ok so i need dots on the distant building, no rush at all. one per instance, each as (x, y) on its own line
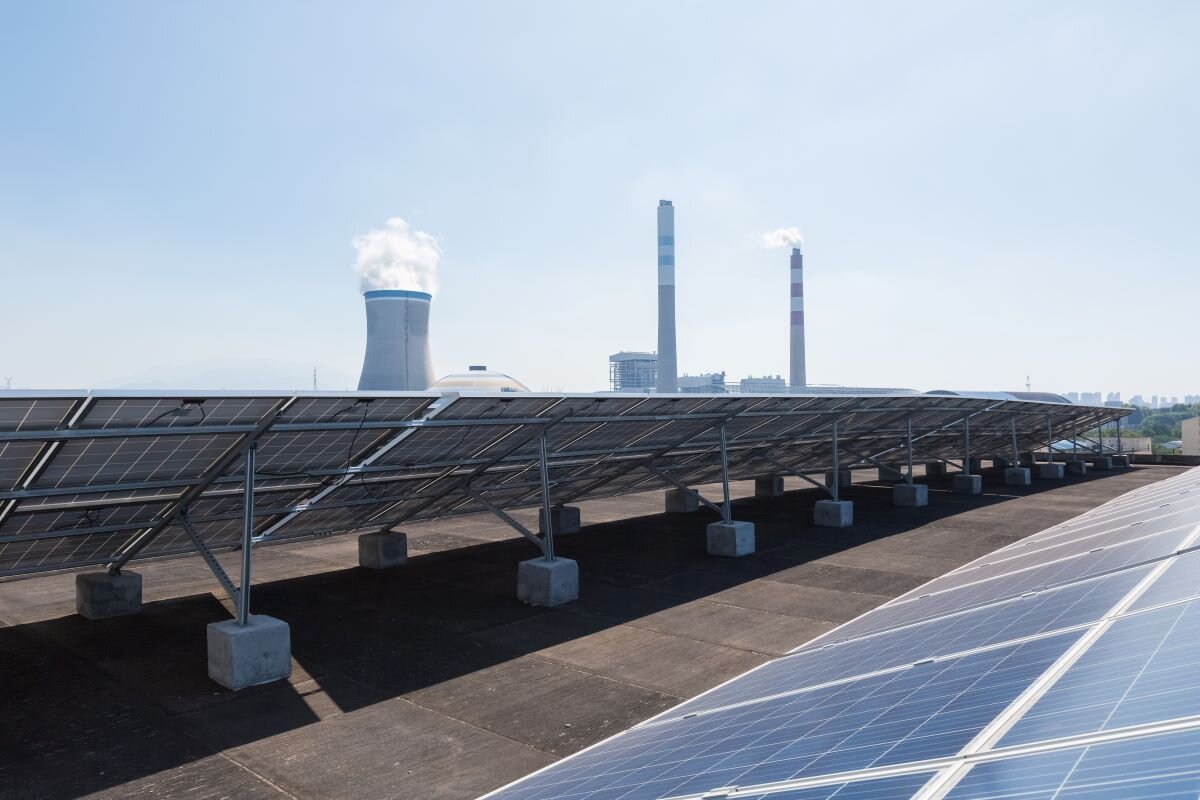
(632, 372)
(709, 383)
(767, 384)
(1191, 436)
(1072, 396)
(1113, 399)
(1192, 399)
(1090, 398)
(1137, 400)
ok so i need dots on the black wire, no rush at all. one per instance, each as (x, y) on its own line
(180, 411)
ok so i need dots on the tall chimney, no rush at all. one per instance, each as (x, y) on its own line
(797, 379)
(397, 357)
(668, 366)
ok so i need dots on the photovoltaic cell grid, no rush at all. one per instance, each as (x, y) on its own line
(1086, 689)
(88, 477)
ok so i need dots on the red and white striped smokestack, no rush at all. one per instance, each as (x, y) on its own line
(797, 379)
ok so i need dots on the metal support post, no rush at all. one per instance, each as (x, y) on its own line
(908, 438)
(836, 466)
(247, 538)
(1050, 441)
(967, 446)
(1016, 459)
(726, 514)
(1118, 435)
(546, 511)
(1074, 439)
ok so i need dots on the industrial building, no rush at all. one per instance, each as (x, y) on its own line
(633, 372)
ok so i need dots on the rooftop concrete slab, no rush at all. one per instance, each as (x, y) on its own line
(431, 680)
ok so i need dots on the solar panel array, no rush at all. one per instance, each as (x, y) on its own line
(90, 478)
(1062, 666)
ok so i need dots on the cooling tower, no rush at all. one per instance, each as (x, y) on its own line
(797, 378)
(397, 357)
(668, 366)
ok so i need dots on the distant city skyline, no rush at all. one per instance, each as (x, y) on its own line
(185, 188)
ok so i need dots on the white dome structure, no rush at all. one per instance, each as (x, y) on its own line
(478, 379)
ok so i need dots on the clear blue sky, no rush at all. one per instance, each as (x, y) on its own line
(986, 190)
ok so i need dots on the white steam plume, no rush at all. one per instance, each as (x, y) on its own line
(397, 257)
(781, 237)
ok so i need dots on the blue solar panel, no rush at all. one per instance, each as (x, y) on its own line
(930, 710)
(1067, 570)
(877, 789)
(1142, 669)
(1017, 618)
(1180, 581)
(1162, 767)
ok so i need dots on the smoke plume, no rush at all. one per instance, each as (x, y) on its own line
(781, 237)
(397, 257)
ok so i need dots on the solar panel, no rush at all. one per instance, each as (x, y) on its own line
(995, 688)
(106, 473)
(1155, 767)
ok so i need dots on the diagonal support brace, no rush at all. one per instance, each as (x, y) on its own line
(209, 558)
(504, 517)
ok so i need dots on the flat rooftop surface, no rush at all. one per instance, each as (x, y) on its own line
(432, 680)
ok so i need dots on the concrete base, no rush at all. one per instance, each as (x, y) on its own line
(967, 484)
(1103, 463)
(99, 595)
(889, 474)
(1053, 472)
(239, 657)
(547, 583)
(833, 513)
(1077, 467)
(845, 478)
(1120, 461)
(565, 519)
(682, 502)
(910, 495)
(1017, 476)
(935, 469)
(768, 486)
(382, 550)
(730, 539)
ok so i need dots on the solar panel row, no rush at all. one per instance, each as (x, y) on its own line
(91, 478)
(1084, 689)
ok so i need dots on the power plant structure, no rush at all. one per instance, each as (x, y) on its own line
(397, 358)
(668, 361)
(797, 378)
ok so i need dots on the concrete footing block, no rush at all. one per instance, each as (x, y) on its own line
(967, 484)
(768, 486)
(1120, 461)
(1077, 467)
(260, 652)
(1053, 471)
(889, 474)
(680, 501)
(565, 519)
(1102, 463)
(541, 582)
(730, 539)
(382, 550)
(845, 478)
(1017, 476)
(910, 495)
(99, 595)
(833, 513)
(935, 469)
